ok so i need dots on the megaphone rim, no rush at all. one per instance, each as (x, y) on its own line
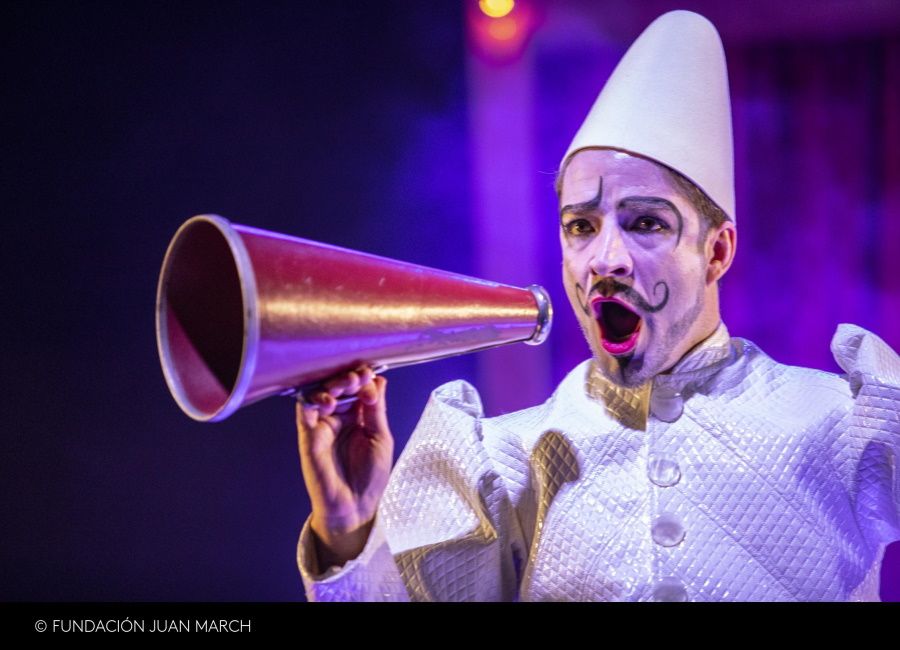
(251, 327)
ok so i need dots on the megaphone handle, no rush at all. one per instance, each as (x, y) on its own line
(341, 402)
(299, 395)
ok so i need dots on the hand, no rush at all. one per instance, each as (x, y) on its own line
(346, 455)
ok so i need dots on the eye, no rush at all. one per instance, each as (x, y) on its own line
(578, 227)
(649, 223)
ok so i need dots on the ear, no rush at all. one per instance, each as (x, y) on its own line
(721, 246)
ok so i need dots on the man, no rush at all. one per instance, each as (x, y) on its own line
(676, 464)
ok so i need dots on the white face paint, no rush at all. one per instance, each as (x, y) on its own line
(628, 236)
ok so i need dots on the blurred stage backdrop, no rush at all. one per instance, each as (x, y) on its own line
(427, 132)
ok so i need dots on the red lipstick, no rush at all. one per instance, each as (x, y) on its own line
(619, 325)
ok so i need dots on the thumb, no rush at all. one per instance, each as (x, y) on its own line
(315, 433)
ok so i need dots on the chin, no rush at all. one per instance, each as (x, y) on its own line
(627, 371)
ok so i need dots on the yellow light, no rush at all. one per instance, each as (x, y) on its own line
(496, 8)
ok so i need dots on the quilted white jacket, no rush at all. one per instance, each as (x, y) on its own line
(731, 478)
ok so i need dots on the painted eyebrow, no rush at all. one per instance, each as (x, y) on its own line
(580, 208)
(647, 202)
(586, 206)
(627, 202)
(643, 202)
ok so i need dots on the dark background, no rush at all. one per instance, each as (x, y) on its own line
(120, 121)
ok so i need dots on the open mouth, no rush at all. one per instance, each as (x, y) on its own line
(619, 325)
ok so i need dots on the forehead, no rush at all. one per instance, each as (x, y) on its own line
(622, 174)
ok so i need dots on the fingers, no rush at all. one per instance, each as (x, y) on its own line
(314, 438)
(346, 385)
(375, 406)
(332, 400)
(313, 410)
(350, 383)
(324, 403)
(307, 414)
(369, 393)
(307, 417)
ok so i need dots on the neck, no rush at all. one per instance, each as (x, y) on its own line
(706, 331)
(703, 327)
(630, 405)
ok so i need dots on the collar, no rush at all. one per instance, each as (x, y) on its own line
(667, 391)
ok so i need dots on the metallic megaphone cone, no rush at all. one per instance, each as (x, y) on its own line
(243, 314)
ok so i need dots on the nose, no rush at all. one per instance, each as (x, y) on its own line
(610, 256)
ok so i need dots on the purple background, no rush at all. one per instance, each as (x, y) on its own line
(359, 124)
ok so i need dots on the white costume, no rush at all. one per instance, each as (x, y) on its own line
(731, 478)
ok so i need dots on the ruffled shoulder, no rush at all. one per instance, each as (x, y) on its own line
(870, 445)
(866, 358)
(446, 511)
(459, 395)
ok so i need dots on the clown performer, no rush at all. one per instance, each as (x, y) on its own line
(678, 463)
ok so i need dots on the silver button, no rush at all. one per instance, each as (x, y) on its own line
(670, 590)
(662, 470)
(666, 403)
(667, 530)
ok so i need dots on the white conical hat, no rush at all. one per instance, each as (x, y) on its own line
(668, 100)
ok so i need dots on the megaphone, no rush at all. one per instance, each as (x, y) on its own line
(243, 314)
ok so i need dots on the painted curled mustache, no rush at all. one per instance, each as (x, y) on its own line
(609, 287)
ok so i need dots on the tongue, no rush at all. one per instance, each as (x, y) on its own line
(618, 322)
